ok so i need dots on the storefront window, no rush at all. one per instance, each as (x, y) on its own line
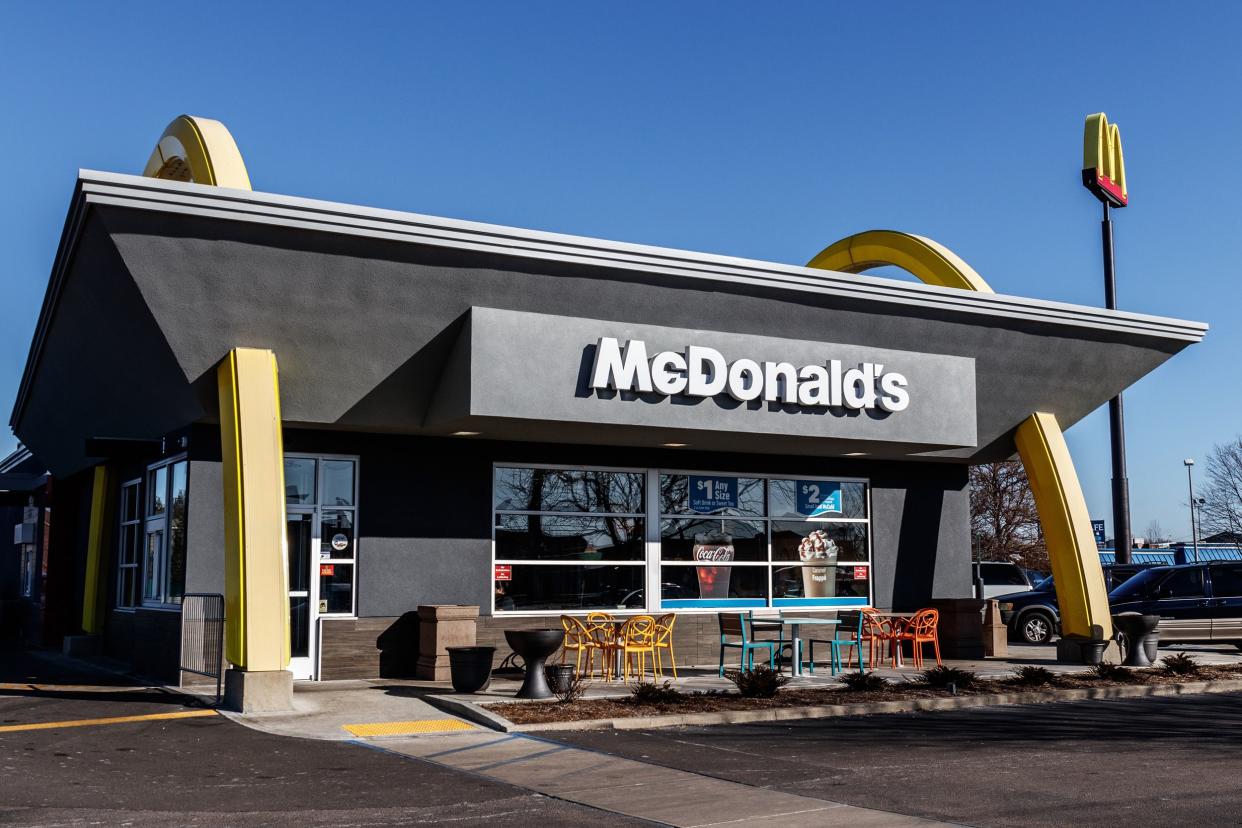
(569, 539)
(816, 554)
(164, 541)
(129, 547)
(718, 541)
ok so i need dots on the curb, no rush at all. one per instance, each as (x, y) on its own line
(480, 715)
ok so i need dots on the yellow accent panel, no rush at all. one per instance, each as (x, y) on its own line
(1067, 528)
(256, 589)
(1054, 483)
(149, 717)
(927, 260)
(199, 150)
(1101, 150)
(405, 728)
(92, 595)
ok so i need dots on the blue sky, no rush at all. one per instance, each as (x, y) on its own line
(754, 130)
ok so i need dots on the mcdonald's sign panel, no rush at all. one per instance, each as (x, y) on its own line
(1103, 165)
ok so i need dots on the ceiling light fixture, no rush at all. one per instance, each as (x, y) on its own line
(466, 433)
(674, 445)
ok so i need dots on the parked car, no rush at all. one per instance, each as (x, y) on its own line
(999, 578)
(1197, 603)
(1032, 616)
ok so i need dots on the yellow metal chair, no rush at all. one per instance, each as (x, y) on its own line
(664, 641)
(637, 638)
(603, 628)
(580, 642)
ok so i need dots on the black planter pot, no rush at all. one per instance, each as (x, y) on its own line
(560, 677)
(534, 646)
(1093, 652)
(470, 668)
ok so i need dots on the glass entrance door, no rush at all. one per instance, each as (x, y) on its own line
(300, 528)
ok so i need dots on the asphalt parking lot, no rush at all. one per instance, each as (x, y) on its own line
(1146, 762)
(208, 770)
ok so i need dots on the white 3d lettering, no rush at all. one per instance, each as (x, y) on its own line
(703, 372)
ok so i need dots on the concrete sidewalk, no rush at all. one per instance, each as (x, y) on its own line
(633, 788)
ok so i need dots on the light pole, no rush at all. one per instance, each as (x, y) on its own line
(1190, 484)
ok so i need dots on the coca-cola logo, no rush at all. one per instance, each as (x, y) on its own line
(713, 554)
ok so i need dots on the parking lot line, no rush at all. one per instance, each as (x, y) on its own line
(110, 720)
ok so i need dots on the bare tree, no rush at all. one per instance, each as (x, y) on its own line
(1222, 507)
(1004, 522)
(1155, 533)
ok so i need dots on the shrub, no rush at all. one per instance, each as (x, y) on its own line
(572, 690)
(1112, 672)
(1180, 665)
(941, 677)
(864, 682)
(760, 683)
(648, 692)
(1031, 676)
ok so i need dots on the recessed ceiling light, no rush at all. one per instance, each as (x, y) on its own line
(466, 433)
(856, 454)
(674, 445)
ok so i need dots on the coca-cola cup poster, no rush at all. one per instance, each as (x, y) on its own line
(715, 548)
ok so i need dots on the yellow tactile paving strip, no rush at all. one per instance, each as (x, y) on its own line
(407, 728)
(110, 720)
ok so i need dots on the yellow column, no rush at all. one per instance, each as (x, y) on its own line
(1081, 594)
(256, 592)
(93, 591)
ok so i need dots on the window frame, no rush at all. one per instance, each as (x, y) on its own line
(138, 525)
(316, 509)
(653, 516)
(153, 522)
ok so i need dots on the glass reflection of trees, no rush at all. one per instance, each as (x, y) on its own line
(568, 490)
(573, 516)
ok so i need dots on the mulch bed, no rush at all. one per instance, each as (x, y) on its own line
(713, 701)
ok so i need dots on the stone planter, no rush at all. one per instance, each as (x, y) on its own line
(441, 626)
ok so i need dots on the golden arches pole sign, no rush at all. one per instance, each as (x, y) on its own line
(1081, 594)
(1103, 165)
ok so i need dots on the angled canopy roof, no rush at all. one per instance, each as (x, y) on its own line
(155, 281)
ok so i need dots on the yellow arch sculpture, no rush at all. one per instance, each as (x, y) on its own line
(256, 589)
(1081, 594)
(199, 150)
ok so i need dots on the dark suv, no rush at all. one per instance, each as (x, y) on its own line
(1197, 603)
(1032, 617)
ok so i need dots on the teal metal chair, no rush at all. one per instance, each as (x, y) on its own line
(739, 625)
(851, 622)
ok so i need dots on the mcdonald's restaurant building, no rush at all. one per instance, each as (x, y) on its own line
(333, 414)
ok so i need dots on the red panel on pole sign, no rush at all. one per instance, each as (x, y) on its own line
(504, 572)
(860, 573)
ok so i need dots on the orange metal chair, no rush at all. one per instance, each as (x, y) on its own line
(921, 631)
(664, 641)
(880, 633)
(580, 642)
(637, 639)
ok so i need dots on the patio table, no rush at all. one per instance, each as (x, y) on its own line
(899, 620)
(795, 625)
